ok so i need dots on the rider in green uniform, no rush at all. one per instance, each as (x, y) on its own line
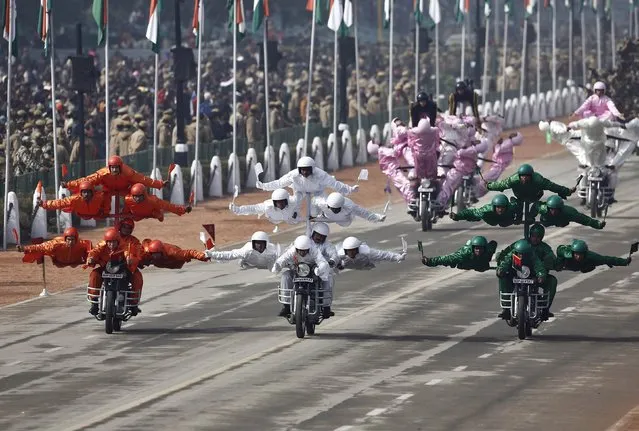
(529, 258)
(577, 257)
(528, 186)
(542, 249)
(499, 212)
(474, 256)
(554, 212)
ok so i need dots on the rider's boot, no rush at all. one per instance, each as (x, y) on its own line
(93, 310)
(285, 311)
(326, 312)
(505, 314)
(134, 309)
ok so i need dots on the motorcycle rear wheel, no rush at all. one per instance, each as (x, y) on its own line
(117, 324)
(522, 317)
(300, 315)
(109, 312)
(310, 328)
(425, 216)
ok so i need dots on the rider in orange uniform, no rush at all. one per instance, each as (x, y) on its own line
(125, 229)
(117, 177)
(165, 255)
(88, 204)
(65, 250)
(140, 205)
(100, 255)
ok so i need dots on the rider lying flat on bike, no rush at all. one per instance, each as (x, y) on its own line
(500, 212)
(474, 256)
(577, 257)
(554, 212)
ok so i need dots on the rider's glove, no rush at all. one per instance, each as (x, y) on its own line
(259, 184)
(492, 243)
(276, 268)
(601, 225)
(425, 260)
(381, 217)
(233, 208)
(401, 257)
(628, 260)
(501, 273)
(453, 215)
(331, 263)
(354, 188)
(541, 280)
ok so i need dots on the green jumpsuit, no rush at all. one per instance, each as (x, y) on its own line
(565, 262)
(505, 283)
(487, 214)
(465, 258)
(566, 215)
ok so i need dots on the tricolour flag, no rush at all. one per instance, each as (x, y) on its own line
(348, 13)
(594, 4)
(434, 12)
(608, 8)
(236, 17)
(387, 13)
(549, 3)
(418, 8)
(508, 7)
(197, 18)
(530, 6)
(487, 9)
(100, 9)
(153, 28)
(9, 29)
(335, 15)
(462, 7)
(260, 10)
(316, 5)
(43, 24)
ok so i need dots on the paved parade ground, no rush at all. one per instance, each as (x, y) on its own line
(410, 347)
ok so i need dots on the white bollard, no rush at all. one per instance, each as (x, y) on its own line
(550, 105)
(534, 109)
(347, 148)
(376, 134)
(200, 182)
(524, 107)
(285, 159)
(91, 223)
(509, 114)
(270, 168)
(487, 108)
(177, 186)
(157, 175)
(215, 177)
(497, 109)
(543, 108)
(566, 102)
(64, 217)
(251, 161)
(233, 175)
(13, 221)
(559, 105)
(317, 152)
(39, 215)
(332, 161)
(362, 155)
(299, 149)
(386, 133)
(517, 108)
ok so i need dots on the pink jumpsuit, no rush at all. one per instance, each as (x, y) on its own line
(423, 141)
(465, 164)
(502, 158)
(601, 107)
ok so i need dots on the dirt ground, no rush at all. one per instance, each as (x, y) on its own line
(229, 229)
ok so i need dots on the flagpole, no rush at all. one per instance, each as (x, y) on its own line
(538, 53)
(155, 114)
(310, 81)
(554, 47)
(636, 22)
(503, 63)
(463, 50)
(484, 89)
(583, 46)
(198, 90)
(570, 48)
(612, 38)
(598, 36)
(630, 19)
(523, 59)
(7, 158)
(51, 53)
(107, 104)
(416, 59)
(359, 96)
(266, 95)
(335, 85)
(437, 61)
(390, 65)
(235, 158)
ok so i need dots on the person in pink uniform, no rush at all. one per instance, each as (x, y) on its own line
(502, 158)
(598, 105)
(465, 161)
(423, 141)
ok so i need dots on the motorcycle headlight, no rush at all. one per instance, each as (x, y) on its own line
(113, 269)
(425, 182)
(303, 270)
(596, 172)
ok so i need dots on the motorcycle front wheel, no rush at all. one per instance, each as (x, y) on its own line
(594, 204)
(109, 312)
(522, 317)
(300, 315)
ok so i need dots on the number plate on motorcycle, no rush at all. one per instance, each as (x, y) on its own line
(302, 280)
(425, 190)
(595, 179)
(109, 275)
(523, 280)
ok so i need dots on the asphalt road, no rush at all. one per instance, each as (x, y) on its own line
(410, 347)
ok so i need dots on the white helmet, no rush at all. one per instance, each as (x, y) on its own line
(599, 86)
(306, 162)
(302, 242)
(280, 195)
(335, 200)
(259, 236)
(321, 228)
(351, 243)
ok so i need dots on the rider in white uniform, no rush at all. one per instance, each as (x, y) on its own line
(280, 208)
(338, 209)
(258, 253)
(354, 254)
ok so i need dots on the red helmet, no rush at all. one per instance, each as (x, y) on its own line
(115, 161)
(128, 221)
(71, 231)
(138, 189)
(156, 246)
(111, 234)
(85, 185)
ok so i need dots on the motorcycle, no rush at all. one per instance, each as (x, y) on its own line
(306, 299)
(596, 195)
(525, 302)
(115, 297)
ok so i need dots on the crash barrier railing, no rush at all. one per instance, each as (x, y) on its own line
(329, 154)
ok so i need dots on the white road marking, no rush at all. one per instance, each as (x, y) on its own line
(404, 397)
(247, 284)
(433, 382)
(53, 349)
(344, 428)
(384, 241)
(191, 303)
(460, 368)
(485, 355)
(588, 299)
(11, 364)
(88, 337)
(606, 290)
(568, 309)
(375, 412)
(157, 315)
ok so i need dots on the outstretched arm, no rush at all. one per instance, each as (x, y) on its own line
(377, 255)
(283, 182)
(247, 209)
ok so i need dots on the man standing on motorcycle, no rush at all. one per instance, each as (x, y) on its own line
(542, 249)
(474, 256)
(302, 251)
(280, 208)
(598, 105)
(355, 254)
(554, 212)
(500, 212)
(338, 209)
(65, 250)
(88, 204)
(577, 257)
(258, 253)
(165, 255)
(101, 255)
(528, 186)
(140, 205)
(424, 107)
(464, 95)
(527, 258)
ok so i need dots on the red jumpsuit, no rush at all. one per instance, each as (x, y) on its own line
(61, 254)
(116, 183)
(101, 256)
(150, 207)
(173, 257)
(98, 207)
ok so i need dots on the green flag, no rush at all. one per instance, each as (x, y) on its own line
(100, 16)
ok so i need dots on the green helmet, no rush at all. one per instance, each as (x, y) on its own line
(537, 229)
(478, 241)
(579, 246)
(523, 247)
(525, 169)
(500, 201)
(555, 202)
